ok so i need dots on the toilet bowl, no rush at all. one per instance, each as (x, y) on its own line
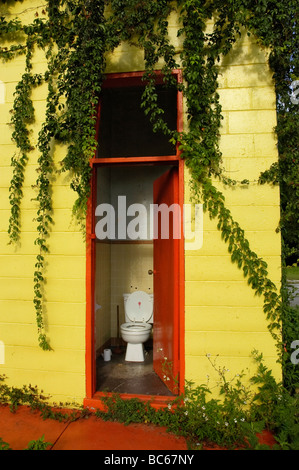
(138, 324)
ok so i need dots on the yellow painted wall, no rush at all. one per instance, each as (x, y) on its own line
(60, 373)
(222, 315)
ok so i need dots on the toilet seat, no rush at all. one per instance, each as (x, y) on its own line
(136, 326)
(139, 307)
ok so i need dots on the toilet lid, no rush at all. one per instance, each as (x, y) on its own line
(139, 307)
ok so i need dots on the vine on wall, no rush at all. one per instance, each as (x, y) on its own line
(76, 36)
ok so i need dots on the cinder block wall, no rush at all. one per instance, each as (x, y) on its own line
(61, 372)
(223, 316)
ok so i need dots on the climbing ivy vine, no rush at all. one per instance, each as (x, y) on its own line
(76, 37)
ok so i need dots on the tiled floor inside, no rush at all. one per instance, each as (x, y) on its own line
(120, 376)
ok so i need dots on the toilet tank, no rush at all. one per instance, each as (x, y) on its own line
(131, 314)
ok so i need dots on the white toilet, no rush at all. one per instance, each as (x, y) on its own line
(138, 326)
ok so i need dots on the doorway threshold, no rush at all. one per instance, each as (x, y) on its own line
(97, 402)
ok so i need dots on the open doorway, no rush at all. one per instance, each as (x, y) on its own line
(135, 169)
(125, 264)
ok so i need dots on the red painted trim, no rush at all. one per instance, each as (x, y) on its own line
(96, 402)
(119, 80)
(109, 161)
(181, 254)
(90, 299)
(93, 398)
(181, 300)
(97, 123)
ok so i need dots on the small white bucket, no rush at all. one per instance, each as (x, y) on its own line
(107, 354)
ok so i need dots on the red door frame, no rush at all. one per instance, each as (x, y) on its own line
(93, 398)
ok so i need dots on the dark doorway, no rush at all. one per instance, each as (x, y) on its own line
(125, 130)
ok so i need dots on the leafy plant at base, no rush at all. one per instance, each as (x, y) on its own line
(231, 420)
(275, 406)
(38, 444)
(33, 398)
(4, 445)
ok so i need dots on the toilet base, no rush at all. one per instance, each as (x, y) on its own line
(135, 352)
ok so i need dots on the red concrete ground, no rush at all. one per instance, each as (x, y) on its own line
(91, 433)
